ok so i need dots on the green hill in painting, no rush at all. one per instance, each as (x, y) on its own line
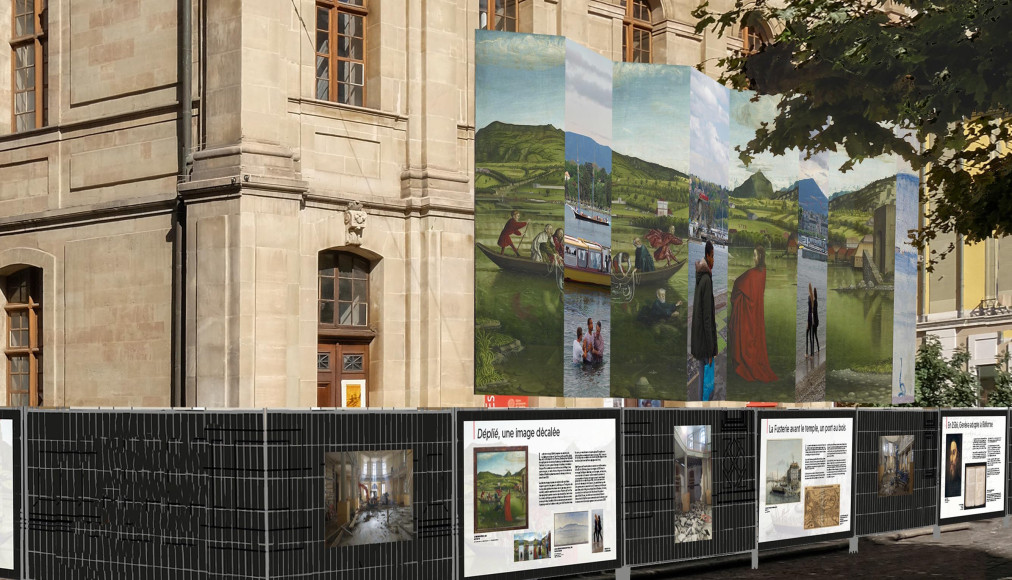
(635, 168)
(533, 144)
(866, 199)
(756, 186)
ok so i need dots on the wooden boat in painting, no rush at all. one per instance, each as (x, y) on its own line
(515, 264)
(529, 266)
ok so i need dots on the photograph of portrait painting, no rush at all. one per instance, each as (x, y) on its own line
(500, 489)
(650, 223)
(861, 271)
(783, 471)
(519, 156)
(812, 251)
(895, 465)
(7, 513)
(762, 262)
(367, 496)
(953, 451)
(587, 252)
(693, 483)
(708, 222)
(905, 286)
(572, 528)
(529, 546)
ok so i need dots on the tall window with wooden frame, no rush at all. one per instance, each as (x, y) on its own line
(498, 15)
(28, 64)
(637, 29)
(342, 357)
(340, 51)
(23, 348)
(754, 34)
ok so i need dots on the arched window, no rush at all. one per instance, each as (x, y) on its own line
(498, 15)
(637, 27)
(754, 33)
(23, 347)
(342, 358)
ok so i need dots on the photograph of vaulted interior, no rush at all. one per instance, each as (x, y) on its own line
(693, 483)
(368, 495)
(895, 465)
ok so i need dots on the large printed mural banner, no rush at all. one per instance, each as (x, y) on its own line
(762, 262)
(624, 249)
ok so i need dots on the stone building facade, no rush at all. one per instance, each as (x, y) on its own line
(253, 204)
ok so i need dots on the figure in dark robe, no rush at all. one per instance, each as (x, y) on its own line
(663, 242)
(747, 323)
(512, 228)
(643, 261)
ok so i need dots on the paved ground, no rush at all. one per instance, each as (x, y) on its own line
(979, 550)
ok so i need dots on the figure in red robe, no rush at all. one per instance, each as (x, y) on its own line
(663, 242)
(512, 228)
(509, 516)
(747, 324)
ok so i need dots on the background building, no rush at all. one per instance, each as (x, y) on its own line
(967, 301)
(251, 204)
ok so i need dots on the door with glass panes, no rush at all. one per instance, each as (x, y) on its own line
(341, 375)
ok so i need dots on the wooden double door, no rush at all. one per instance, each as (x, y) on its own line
(342, 372)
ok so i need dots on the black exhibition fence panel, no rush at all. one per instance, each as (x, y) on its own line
(896, 469)
(690, 485)
(324, 524)
(539, 492)
(145, 494)
(973, 449)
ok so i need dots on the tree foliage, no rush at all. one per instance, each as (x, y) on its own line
(1001, 396)
(941, 383)
(856, 78)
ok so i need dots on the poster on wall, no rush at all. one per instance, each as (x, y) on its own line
(538, 494)
(806, 465)
(762, 261)
(587, 252)
(973, 466)
(650, 223)
(708, 232)
(519, 158)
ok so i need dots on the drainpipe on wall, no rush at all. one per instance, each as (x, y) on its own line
(184, 132)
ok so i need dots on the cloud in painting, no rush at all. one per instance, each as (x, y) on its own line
(708, 129)
(588, 94)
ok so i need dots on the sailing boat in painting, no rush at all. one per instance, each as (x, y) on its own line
(578, 212)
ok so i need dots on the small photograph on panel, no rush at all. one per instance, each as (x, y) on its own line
(368, 497)
(783, 471)
(953, 465)
(976, 484)
(693, 484)
(597, 526)
(500, 489)
(529, 546)
(822, 506)
(572, 528)
(895, 465)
